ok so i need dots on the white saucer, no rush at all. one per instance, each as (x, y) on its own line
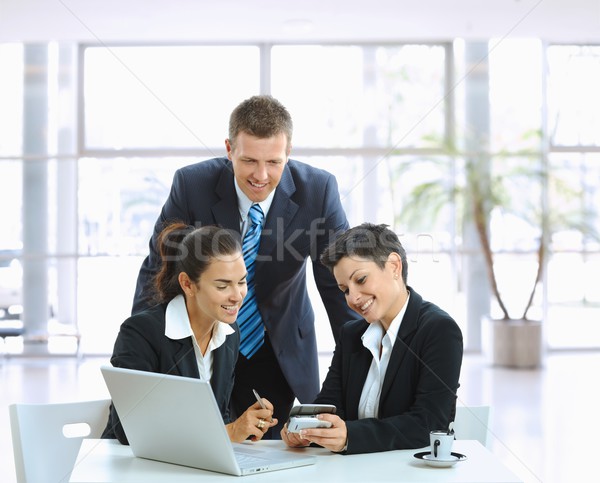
(429, 460)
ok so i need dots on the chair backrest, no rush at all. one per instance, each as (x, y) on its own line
(44, 444)
(472, 422)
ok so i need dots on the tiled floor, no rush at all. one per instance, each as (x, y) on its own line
(540, 421)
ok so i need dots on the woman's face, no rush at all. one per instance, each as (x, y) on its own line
(372, 292)
(219, 292)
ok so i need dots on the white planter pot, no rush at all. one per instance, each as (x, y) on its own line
(516, 343)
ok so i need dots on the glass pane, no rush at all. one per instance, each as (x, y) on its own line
(151, 97)
(574, 194)
(11, 99)
(133, 192)
(516, 198)
(421, 192)
(574, 301)
(11, 192)
(11, 246)
(516, 289)
(351, 96)
(99, 322)
(573, 101)
(409, 95)
(348, 173)
(322, 87)
(515, 94)
(11, 286)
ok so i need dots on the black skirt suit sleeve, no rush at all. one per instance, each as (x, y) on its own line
(142, 345)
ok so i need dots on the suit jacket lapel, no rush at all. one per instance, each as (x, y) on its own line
(280, 214)
(226, 212)
(358, 367)
(402, 345)
(185, 359)
(223, 362)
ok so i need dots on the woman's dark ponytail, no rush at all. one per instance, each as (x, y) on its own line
(166, 281)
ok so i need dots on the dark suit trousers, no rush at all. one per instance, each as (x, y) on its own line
(262, 372)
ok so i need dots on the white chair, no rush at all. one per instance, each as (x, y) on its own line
(472, 422)
(46, 437)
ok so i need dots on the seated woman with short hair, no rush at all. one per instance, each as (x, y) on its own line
(394, 372)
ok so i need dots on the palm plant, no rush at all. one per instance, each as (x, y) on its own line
(509, 184)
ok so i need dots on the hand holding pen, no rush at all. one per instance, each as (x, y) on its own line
(253, 423)
(261, 422)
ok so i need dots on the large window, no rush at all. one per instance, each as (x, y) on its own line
(176, 98)
(574, 197)
(386, 120)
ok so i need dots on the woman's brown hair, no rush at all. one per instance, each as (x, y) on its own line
(184, 248)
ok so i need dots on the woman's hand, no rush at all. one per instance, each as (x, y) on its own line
(253, 424)
(333, 438)
(293, 440)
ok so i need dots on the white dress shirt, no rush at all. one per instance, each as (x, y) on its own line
(377, 341)
(244, 204)
(177, 326)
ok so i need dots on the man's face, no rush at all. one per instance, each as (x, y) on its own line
(258, 163)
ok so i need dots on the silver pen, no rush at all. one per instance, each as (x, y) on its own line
(260, 401)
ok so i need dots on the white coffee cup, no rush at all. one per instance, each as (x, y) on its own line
(441, 444)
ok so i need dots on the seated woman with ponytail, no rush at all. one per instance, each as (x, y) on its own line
(199, 291)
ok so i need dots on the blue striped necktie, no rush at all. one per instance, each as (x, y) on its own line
(252, 333)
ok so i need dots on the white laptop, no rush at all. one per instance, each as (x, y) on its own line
(176, 419)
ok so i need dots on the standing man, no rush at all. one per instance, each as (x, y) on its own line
(286, 212)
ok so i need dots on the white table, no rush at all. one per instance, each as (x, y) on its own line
(108, 461)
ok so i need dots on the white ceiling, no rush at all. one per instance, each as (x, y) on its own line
(296, 20)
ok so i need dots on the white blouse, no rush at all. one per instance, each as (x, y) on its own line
(177, 326)
(376, 340)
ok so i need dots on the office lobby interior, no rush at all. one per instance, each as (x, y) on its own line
(419, 109)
